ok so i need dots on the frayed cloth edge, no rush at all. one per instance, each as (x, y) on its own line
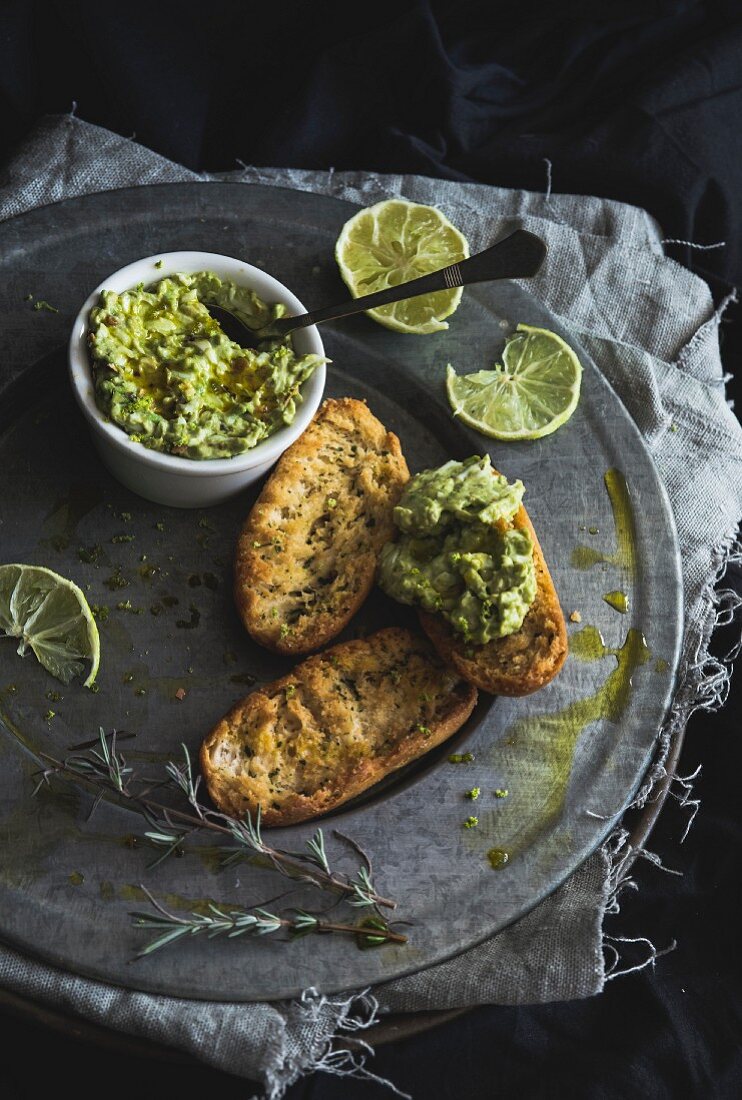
(703, 684)
(338, 1049)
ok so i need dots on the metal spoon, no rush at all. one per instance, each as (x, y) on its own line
(517, 256)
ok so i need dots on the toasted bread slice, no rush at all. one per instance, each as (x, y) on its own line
(307, 555)
(518, 663)
(342, 720)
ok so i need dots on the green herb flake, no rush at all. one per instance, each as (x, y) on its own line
(471, 822)
(332, 502)
(41, 304)
(116, 580)
(461, 758)
(126, 605)
(158, 264)
(474, 793)
(49, 715)
(89, 554)
(160, 526)
(424, 730)
(192, 622)
(501, 792)
(284, 631)
(290, 691)
(100, 612)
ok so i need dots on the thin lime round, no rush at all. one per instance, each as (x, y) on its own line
(530, 394)
(394, 242)
(50, 615)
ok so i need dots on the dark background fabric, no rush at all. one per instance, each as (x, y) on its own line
(640, 102)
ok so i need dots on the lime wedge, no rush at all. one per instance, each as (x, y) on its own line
(396, 241)
(530, 394)
(49, 615)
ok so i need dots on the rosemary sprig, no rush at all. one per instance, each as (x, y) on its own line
(256, 922)
(104, 769)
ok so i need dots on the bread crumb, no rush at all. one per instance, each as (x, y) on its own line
(575, 617)
(180, 693)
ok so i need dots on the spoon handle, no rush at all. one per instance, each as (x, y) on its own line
(517, 256)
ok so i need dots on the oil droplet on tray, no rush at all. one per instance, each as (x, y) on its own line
(618, 600)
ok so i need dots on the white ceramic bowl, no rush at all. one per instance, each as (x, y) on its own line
(168, 479)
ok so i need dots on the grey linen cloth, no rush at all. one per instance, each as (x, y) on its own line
(652, 326)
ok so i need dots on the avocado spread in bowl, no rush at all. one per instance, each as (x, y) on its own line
(167, 374)
(457, 553)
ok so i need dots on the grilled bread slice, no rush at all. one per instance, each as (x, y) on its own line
(518, 663)
(307, 555)
(342, 720)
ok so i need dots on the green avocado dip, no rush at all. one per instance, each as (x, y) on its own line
(166, 373)
(457, 554)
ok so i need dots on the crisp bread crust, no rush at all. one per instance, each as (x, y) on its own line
(307, 555)
(339, 723)
(519, 663)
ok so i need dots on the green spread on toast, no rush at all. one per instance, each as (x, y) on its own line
(458, 554)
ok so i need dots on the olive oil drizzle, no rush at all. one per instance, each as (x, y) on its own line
(624, 556)
(541, 748)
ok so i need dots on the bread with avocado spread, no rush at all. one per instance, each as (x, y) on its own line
(307, 555)
(467, 556)
(337, 724)
(518, 663)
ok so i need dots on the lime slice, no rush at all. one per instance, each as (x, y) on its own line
(392, 243)
(50, 615)
(532, 393)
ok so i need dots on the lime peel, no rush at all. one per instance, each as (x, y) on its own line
(392, 243)
(529, 395)
(49, 614)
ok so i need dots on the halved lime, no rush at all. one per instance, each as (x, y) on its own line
(394, 242)
(49, 614)
(530, 394)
